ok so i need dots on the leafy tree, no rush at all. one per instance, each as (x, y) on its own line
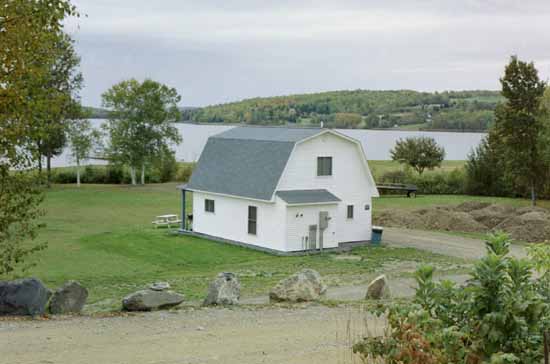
(485, 169)
(419, 153)
(82, 137)
(140, 123)
(29, 32)
(64, 80)
(519, 126)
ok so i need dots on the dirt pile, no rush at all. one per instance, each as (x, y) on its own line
(531, 224)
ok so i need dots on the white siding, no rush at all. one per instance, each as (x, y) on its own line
(230, 220)
(349, 182)
(298, 219)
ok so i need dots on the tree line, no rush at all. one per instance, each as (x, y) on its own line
(457, 110)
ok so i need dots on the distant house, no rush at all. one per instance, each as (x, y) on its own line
(282, 189)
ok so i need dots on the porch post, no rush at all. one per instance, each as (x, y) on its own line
(183, 215)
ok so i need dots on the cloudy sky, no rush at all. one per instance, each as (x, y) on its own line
(219, 51)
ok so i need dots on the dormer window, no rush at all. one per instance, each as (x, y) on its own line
(324, 166)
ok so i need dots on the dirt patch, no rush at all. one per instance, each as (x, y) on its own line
(531, 224)
(469, 206)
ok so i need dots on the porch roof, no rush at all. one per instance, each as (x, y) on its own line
(297, 197)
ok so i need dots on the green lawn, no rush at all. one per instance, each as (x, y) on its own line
(101, 235)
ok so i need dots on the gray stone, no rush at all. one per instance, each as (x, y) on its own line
(23, 297)
(224, 290)
(306, 285)
(148, 300)
(69, 298)
(160, 286)
(378, 289)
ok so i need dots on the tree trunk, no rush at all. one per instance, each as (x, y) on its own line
(133, 175)
(533, 195)
(49, 169)
(143, 174)
(78, 172)
(40, 165)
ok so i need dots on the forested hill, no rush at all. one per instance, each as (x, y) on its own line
(455, 110)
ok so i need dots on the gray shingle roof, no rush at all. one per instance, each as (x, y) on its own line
(246, 161)
(307, 196)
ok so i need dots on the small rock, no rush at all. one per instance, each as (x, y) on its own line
(23, 297)
(224, 290)
(200, 328)
(160, 286)
(147, 300)
(378, 288)
(70, 298)
(306, 285)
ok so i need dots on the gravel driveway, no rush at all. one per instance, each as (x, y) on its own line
(441, 243)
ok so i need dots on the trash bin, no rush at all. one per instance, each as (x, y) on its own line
(377, 235)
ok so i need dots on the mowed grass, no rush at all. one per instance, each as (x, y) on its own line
(101, 235)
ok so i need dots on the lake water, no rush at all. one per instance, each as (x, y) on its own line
(377, 143)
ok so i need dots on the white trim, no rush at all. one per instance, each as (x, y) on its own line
(233, 196)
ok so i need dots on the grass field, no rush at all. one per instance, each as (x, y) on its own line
(101, 235)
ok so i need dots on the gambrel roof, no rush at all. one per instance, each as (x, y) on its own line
(248, 161)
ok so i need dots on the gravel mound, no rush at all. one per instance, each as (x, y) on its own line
(531, 224)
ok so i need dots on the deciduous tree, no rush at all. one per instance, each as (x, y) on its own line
(29, 30)
(520, 127)
(140, 123)
(419, 153)
(82, 138)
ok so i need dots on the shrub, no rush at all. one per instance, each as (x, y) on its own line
(448, 183)
(498, 317)
(164, 169)
(184, 172)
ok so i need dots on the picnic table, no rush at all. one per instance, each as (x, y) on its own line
(166, 220)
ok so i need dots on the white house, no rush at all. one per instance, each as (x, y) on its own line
(282, 189)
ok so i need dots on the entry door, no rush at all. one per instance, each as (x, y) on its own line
(312, 237)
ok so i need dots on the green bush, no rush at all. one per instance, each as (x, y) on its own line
(497, 317)
(432, 183)
(185, 171)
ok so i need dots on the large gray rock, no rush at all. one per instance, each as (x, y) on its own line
(224, 290)
(378, 289)
(149, 299)
(69, 298)
(23, 297)
(306, 285)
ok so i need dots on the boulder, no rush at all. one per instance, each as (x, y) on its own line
(70, 298)
(379, 288)
(148, 299)
(224, 290)
(306, 285)
(23, 297)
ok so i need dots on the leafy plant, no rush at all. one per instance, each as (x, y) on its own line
(497, 317)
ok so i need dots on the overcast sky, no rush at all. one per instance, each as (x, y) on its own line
(219, 51)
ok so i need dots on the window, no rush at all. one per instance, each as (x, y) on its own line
(208, 205)
(324, 166)
(350, 211)
(252, 219)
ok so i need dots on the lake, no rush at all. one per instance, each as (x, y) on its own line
(377, 143)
